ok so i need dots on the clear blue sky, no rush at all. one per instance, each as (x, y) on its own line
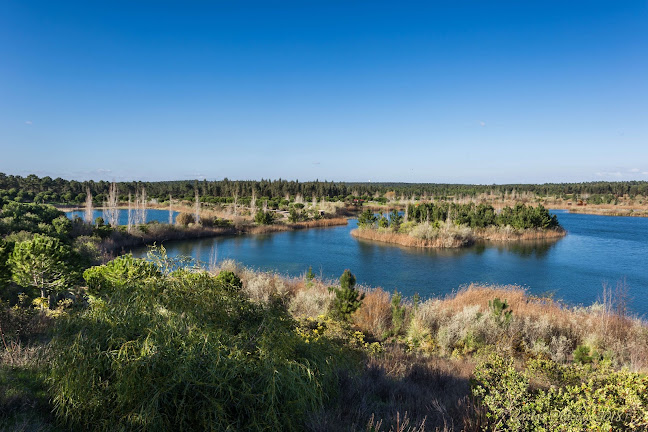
(452, 91)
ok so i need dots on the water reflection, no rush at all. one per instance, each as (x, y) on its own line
(596, 249)
(525, 248)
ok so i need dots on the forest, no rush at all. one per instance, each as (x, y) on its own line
(59, 191)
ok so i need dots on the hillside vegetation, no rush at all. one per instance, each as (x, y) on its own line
(165, 344)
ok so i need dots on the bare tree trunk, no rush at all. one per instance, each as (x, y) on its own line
(89, 210)
(253, 203)
(144, 203)
(111, 212)
(197, 208)
(130, 213)
(170, 210)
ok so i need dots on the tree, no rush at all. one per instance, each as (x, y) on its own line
(5, 270)
(367, 219)
(263, 218)
(347, 298)
(42, 262)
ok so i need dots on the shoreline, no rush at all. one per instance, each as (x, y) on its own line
(160, 233)
(455, 240)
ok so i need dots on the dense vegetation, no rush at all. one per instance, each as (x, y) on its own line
(185, 350)
(473, 215)
(162, 344)
(47, 190)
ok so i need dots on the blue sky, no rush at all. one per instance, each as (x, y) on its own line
(452, 91)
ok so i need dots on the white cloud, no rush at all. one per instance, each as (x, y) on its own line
(609, 174)
(29, 122)
(635, 170)
(482, 124)
(645, 173)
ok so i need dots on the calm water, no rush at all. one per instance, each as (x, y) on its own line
(597, 250)
(161, 216)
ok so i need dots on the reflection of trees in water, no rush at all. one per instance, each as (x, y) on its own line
(529, 248)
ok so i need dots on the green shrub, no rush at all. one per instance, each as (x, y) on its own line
(398, 313)
(118, 274)
(500, 311)
(347, 298)
(582, 354)
(263, 218)
(367, 219)
(229, 281)
(5, 269)
(577, 399)
(177, 351)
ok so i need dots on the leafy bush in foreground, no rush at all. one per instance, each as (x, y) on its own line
(579, 399)
(181, 351)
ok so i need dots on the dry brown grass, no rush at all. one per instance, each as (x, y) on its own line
(326, 222)
(510, 234)
(407, 240)
(610, 210)
(454, 239)
(603, 326)
(374, 316)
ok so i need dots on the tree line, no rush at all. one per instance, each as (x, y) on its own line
(47, 190)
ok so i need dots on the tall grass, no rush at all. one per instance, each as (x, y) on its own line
(178, 352)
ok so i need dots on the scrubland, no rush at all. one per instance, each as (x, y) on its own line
(168, 345)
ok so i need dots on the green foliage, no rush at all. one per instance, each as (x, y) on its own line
(395, 220)
(119, 273)
(383, 222)
(309, 274)
(481, 215)
(229, 281)
(578, 399)
(44, 263)
(263, 218)
(500, 311)
(35, 218)
(46, 189)
(367, 219)
(294, 215)
(5, 269)
(179, 352)
(397, 313)
(582, 354)
(347, 298)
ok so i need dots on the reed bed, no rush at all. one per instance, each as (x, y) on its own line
(427, 236)
(441, 241)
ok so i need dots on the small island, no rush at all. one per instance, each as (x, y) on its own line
(452, 225)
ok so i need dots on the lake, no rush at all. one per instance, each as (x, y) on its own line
(152, 215)
(597, 250)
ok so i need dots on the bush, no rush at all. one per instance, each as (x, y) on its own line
(263, 218)
(185, 219)
(367, 219)
(577, 400)
(347, 298)
(180, 352)
(229, 281)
